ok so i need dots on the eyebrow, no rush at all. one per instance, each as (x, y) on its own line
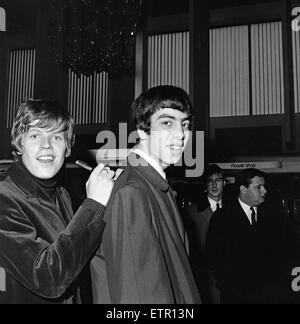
(172, 117)
(37, 129)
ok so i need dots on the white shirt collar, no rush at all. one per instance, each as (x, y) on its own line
(151, 161)
(213, 204)
(247, 210)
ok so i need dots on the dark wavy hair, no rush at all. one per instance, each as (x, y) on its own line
(154, 99)
(211, 170)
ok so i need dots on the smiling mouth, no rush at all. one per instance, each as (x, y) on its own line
(46, 159)
(176, 148)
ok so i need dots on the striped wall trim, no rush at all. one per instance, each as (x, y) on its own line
(168, 60)
(88, 98)
(21, 80)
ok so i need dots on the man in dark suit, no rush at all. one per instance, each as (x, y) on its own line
(245, 244)
(197, 217)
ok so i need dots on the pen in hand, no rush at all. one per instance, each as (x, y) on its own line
(88, 168)
(84, 165)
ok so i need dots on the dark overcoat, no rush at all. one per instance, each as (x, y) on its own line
(145, 246)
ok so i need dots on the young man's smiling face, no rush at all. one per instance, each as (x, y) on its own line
(169, 135)
(43, 152)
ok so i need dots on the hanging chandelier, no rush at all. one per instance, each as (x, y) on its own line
(95, 35)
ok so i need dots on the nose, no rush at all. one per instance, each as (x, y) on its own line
(180, 133)
(264, 190)
(46, 143)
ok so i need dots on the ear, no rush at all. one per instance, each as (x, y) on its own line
(243, 189)
(19, 146)
(68, 153)
(142, 134)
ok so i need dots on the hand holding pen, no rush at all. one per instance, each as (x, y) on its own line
(100, 183)
(85, 166)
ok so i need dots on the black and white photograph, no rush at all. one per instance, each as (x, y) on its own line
(150, 154)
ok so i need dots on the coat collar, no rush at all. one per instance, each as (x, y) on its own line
(25, 183)
(146, 170)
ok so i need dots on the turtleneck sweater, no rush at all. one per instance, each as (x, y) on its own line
(48, 185)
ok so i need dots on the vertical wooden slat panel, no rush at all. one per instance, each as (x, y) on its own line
(298, 70)
(90, 115)
(87, 99)
(17, 81)
(270, 32)
(188, 61)
(149, 60)
(233, 71)
(21, 80)
(70, 92)
(267, 69)
(274, 102)
(32, 70)
(246, 74)
(296, 61)
(229, 72)
(9, 97)
(82, 100)
(103, 89)
(156, 64)
(211, 64)
(27, 88)
(220, 102)
(254, 67)
(95, 100)
(261, 70)
(223, 84)
(159, 63)
(184, 60)
(105, 103)
(277, 71)
(168, 57)
(281, 67)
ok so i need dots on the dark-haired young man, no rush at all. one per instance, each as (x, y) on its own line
(197, 217)
(145, 247)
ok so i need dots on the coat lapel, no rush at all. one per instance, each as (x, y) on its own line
(35, 193)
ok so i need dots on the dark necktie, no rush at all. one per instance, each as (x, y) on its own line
(253, 217)
(218, 207)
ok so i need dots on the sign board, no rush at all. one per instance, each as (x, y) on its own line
(250, 165)
(2, 20)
